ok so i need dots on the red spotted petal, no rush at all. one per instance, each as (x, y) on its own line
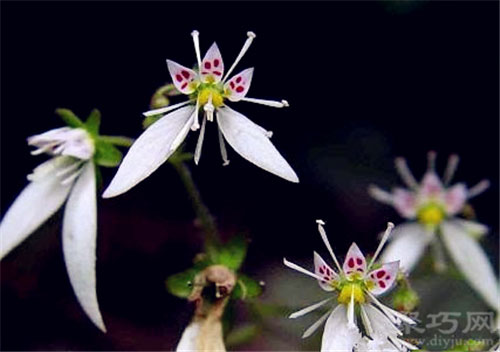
(212, 66)
(238, 86)
(354, 261)
(384, 277)
(322, 269)
(182, 77)
(431, 185)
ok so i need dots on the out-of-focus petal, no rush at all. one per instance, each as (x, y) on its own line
(455, 198)
(472, 261)
(405, 203)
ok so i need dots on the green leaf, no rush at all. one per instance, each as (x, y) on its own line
(119, 141)
(242, 334)
(233, 253)
(181, 284)
(106, 154)
(148, 121)
(246, 288)
(93, 122)
(69, 118)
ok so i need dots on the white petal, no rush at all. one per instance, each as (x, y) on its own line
(35, 204)
(188, 342)
(149, 151)
(252, 143)
(337, 335)
(472, 262)
(473, 228)
(407, 245)
(381, 324)
(79, 242)
(309, 309)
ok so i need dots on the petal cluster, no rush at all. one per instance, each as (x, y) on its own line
(355, 284)
(432, 207)
(69, 175)
(208, 89)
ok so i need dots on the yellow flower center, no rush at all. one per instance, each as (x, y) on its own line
(210, 90)
(351, 289)
(431, 214)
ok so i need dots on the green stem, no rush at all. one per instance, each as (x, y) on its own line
(206, 219)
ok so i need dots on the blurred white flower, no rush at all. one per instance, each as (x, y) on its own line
(356, 286)
(431, 208)
(208, 91)
(69, 174)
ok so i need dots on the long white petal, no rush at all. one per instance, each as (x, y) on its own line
(337, 335)
(79, 242)
(309, 309)
(252, 142)
(407, 245)
(35, 204)
(472, 262)
(149, 151)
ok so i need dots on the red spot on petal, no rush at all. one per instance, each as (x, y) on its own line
(381, 284)
(350, 263)
(380, 274)
(184, 85)
(238, 80)
(217, 73)
(205, 72)
(323, 281)
(388, 277)
(216, 62)
(208, 66)
(359, 261)
(231, 84)
(321, 270)
(178, 78)
(360, 270)
(185, 74)
(239, 89)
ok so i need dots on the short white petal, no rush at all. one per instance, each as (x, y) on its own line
(407, 245)
(79, 242)
(252, 142)
(35, 204)
(149, 151)
(337, 335)
(472, 262)
(188, 342)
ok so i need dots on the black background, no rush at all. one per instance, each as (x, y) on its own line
(366, 82)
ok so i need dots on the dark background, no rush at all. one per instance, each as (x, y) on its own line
(366, 82)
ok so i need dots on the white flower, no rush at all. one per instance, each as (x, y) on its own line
(208, 91)
(70, 174)
(356, 286)
(431, 208)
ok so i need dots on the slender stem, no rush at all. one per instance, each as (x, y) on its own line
(206, 219)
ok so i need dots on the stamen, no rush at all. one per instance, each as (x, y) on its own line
(251, 36)
(68, 169)
(327, 243)
(275, 104)
(450, 168)
(380, 195)
(196, 124)
(316, 325)
(165, 109)
(209, 109)
(196, 40)
(478, 189)
(199, 144)
(309, 309)
(223, 150)
(387, 233)
(350, 311)
(71, 177)
(366, 320)
(392, 314)
(431, 160)
(405, 173)
(301, 269)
